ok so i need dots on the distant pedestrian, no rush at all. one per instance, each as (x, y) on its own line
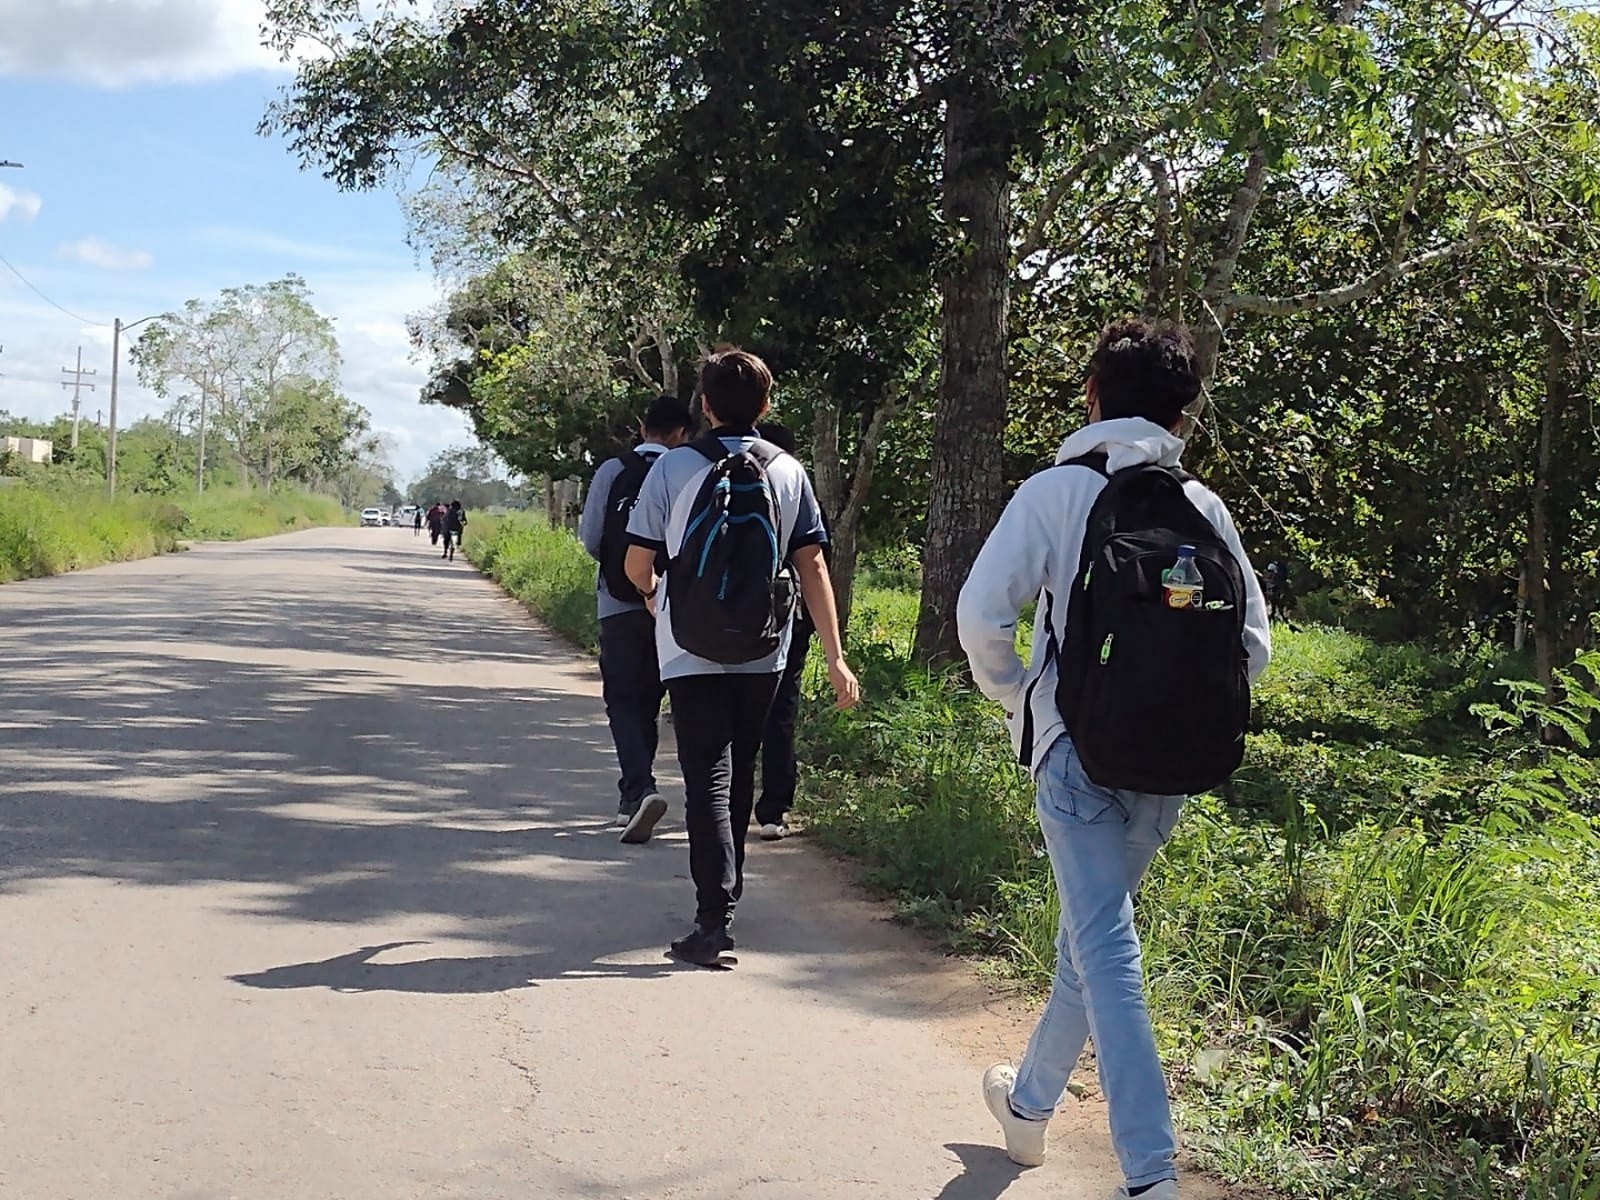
(436, 514)
(1276, 586)
(455, 525)
(737, 521)
(417, 528)
(1136, 696)
(630, 675)
(780, 768)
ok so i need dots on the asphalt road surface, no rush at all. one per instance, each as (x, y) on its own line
(308, 889)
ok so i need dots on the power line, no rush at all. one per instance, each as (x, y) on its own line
(27, 284)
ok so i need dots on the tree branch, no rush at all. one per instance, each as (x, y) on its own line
(1283, 306)
(640, 340)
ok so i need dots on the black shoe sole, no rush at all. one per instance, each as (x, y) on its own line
(638, 830)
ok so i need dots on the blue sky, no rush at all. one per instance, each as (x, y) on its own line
(145, 185)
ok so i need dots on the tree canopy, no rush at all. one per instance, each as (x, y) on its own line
(1380, 221)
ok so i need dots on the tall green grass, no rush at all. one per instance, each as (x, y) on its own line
(546, 568)
(49, 527)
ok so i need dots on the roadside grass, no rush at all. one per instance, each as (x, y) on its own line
(1374, 964)
(545, 568)
(48, 527)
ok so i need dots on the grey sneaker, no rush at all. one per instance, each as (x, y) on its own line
(774, 832)
(1025, 1139)
(638, 829)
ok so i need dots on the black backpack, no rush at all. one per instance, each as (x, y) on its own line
(1156, 699)
(730, 595)
(624, 494)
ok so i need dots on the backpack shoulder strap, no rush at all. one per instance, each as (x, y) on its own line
(765, 453)
(710, 445)
(633, 460)
(1095, 460)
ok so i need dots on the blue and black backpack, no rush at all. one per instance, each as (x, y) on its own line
(730, 593)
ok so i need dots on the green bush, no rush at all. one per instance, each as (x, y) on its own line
(55, 523)
(547, 569)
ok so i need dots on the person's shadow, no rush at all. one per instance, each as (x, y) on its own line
(986, 1173)
(356, 972)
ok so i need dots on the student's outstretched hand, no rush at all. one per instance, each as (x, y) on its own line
(846, 687)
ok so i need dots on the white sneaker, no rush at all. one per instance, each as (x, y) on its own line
(774, 833)
(1025, 1140)
(1167, 1189)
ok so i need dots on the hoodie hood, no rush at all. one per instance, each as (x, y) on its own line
(1127, 442)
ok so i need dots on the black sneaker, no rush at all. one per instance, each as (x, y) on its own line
(704, 946)
(625, 814)
(637, 829)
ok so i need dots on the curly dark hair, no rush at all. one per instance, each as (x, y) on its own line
(1144, 368)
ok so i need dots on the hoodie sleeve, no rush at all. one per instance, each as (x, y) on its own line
(1257, 628)
(1009, 573)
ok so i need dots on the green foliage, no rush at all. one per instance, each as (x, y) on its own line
(53, 524)
(545, 568)
(1373, 973)
(258, 367)
(467, 474)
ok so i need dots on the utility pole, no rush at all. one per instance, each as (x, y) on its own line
(118, 326)
(200, 459)
(77, 385)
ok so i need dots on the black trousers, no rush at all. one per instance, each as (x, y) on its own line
(630, 681)
(780, 772)
(719, 720)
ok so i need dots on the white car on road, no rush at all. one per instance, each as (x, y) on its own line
(373, 516)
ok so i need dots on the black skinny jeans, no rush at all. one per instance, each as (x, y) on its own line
(719, 721)
(630, 681)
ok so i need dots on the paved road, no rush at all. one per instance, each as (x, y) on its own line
(307, 890)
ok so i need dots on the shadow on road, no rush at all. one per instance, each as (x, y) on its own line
(364, 741)
(986, 1173)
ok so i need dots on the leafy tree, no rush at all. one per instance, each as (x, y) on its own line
(468, 474)
(263, 363)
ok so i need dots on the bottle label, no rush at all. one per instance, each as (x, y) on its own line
(1181, 595)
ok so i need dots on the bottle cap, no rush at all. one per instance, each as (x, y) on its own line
(1185, 549)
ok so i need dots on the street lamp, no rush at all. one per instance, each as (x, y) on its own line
(117, 327)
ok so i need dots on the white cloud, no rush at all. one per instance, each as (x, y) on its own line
(93, 252)
(25, 205)
(118, 43)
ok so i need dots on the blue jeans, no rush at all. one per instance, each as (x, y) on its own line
(1101, 842)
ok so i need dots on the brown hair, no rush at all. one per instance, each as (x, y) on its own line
(737, 386)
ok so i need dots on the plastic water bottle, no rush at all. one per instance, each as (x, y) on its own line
(1183, 586)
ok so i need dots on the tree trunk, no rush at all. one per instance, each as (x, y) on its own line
(845, 548)
(844, 506)
(967, 482)
(827, 471)
(1542, 557)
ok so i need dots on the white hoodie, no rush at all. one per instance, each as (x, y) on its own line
(1035, 548)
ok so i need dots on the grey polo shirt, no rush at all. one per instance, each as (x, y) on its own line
(592, 527)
